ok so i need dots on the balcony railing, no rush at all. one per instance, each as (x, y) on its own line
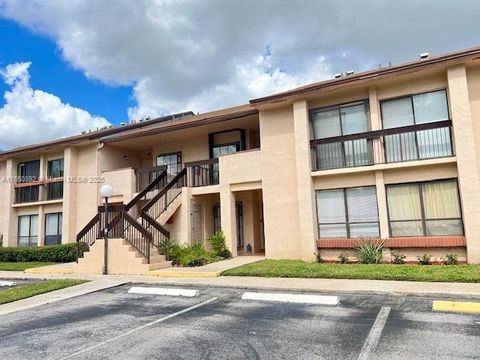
(145, 176)
(202, 173)
(408, 143)
(39, 191)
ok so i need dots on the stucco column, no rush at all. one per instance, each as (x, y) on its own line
(42, 191)
(185, 228)
(9, 228)
(305, 192)
(69, 210)
(228, 218)
(41, 226)
(376, 124)
(467, 162)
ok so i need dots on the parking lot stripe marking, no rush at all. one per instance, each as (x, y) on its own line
(456, 306)
(375, 333)
(163, 291)
(7, 283)
(291, 298)
(165, 318)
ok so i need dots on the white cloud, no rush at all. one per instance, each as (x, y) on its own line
(32, 116)
(199, 55)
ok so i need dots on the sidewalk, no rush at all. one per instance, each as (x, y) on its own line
(293, 284)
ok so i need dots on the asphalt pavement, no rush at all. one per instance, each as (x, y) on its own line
(218, 324)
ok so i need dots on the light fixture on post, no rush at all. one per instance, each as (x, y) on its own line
(105, 191)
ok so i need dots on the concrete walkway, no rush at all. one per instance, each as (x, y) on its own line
(293, 284)
(206, 271)
(62, 294)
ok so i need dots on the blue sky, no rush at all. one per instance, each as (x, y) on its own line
(52, 74)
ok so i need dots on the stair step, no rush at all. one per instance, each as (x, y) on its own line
(157, 258)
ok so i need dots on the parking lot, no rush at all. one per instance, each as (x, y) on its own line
(218, 324)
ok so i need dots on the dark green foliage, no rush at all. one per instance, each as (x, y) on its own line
(450, 259)
(218, 244)
(50, 253)
(424, 259)
(343, 258)
(398, 258)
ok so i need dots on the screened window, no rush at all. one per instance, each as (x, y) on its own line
(337, 121)
(417, 109)
(28, 230)
(424, 209)
(172, 161)
(347, 213)
(53, 228)
(55, 168)
(239, 218)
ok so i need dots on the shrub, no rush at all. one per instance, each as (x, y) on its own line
(165, 247)
(318, 257)
(370, 252)
(49, 253)
(398, 258)
(218, 244)
(424, 259)
(1, 240)
(192, 255)
(343, 258)
(450, 259)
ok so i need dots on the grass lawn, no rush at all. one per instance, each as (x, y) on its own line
(301, 269)
(29, 290)
(20, 266)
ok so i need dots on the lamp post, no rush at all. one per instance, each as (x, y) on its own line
(105, 191)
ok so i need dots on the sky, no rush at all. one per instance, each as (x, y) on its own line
(67, 66)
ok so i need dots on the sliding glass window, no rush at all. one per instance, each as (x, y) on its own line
(412, 110)
(424, 209)
(347, 213)
(28, 230)
(338, 121)
(53, 228)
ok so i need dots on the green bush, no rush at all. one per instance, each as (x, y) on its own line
(398, 258)
(318, 257)
(343, 258)
(218, 244)
(192, 255)
(370, 252)
(50, 253)
(1, 240)
(165, 247)
(424, 259)
(450, 259)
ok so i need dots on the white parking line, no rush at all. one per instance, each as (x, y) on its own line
(7, 283)
(292, 298)
(163, 291)
(165, 318)
(374, 334)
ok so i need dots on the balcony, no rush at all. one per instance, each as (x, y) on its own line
(408, 143)
(48, 190)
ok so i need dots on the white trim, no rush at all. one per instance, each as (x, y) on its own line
(7, 283)
(374, 335)
(163, 291)
(292, 298)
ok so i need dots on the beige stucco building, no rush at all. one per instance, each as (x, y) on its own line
(392, 153)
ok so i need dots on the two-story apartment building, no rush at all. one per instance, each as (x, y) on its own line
(391, 153)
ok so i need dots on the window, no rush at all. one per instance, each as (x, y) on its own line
(53, 228)
(55, 190)
(337, 121)
(55, 168)
(239, 217)
(417, 109)
(347, 213)
(28, 230)
(217, 219)
(172, 161)
(29, 171)
(27, 194)
(424, 209)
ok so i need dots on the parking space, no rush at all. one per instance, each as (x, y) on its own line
(218, 324)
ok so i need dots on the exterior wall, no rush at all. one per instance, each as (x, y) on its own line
(3, 190)
(279, 184)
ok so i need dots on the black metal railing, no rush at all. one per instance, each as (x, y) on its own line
(203, 173)
(145, 176)
(26, 194)
(415, 142)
